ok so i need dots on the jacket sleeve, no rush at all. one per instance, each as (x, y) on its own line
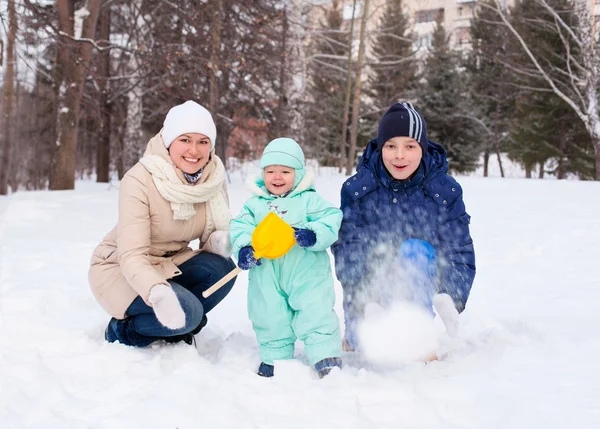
(133, 240)
(351, 249)
(241, 228)
(324, 219)
(457, 267)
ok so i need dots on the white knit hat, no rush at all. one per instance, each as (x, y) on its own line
(189, 117)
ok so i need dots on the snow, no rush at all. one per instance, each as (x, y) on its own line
(526, 355)
(403, 333)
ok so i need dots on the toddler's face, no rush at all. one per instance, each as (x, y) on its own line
(279, 179)
(401, 157)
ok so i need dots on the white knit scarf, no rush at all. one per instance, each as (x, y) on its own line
(183, 196)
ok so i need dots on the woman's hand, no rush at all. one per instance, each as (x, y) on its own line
(219, 243)
(166, 306)
(246, 259)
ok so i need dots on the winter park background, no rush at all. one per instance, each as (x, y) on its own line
(511, 80)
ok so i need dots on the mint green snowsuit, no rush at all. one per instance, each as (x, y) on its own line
(293, 296)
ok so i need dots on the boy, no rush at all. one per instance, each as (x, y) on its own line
(402, 209)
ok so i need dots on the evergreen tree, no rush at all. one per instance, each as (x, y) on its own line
(445, 104)
(327, 83)
(545, 129)
(394, 65)
(488, 80)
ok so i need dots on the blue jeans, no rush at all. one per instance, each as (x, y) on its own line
(141, 327)
(419, 265)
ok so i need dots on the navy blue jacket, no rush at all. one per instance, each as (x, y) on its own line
(381, 210)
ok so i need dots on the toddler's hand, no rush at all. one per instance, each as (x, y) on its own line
(305, 237)
(246, 259)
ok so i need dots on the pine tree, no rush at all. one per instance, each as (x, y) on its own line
(489, 81)
(394, 65)
(446, 107)
(327, 83)
(545, 130)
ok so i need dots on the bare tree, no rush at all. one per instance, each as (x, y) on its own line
(213, 97)
(9, 88)
(357, 88)
(295, 57)
(76, 32)
(578, 83)
(132, 142)
(103, 144)
(348, 92)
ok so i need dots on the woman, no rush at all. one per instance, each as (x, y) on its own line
(143, 273)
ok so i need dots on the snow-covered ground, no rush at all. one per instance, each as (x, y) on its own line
(527, 355)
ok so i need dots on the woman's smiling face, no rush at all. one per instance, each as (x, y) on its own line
(190, 152)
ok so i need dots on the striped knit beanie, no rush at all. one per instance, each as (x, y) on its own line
(402, 120)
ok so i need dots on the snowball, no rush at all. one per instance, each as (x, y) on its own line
(402, 333)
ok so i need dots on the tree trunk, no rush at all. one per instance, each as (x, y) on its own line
(132, 141)
(541, 173)
(486, 163)
(103, 144)
(497, 140)
(348, 92)
(296, 65)
(9, 88)
(357, 87)
(596, 140)
(594, 126)
(221, 148)
(528, 170)
(74, 57)
(499, 162)
(131, 144)
(282, 104)
(560, 169)
(120, 144)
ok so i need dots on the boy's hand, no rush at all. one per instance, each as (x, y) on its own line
(445, 308)
(305, 237)
(246, 259)
(346, 347)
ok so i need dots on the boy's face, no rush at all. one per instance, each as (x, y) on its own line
(401, 157)
(279, 179)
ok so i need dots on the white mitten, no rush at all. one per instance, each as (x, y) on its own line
(219, 243)
(445, 308)
(166, 306)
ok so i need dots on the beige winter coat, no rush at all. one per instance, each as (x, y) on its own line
(147, 245)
